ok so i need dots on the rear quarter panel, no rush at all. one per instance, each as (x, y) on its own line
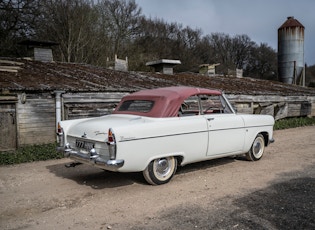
(161, 137)
(255, 124)
(68, 124)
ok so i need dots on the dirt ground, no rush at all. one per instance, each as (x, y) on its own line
(277, 192)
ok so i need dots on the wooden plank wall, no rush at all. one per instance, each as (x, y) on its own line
(36, 120)
(277, 106)
(8, 139)
(82, 105)
(98, 104)
(43, 54)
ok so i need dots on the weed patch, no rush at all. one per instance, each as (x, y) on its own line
(294, 122)
(29, 154)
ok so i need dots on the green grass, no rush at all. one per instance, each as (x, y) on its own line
(29, 154)
(294, 122)
(48, 151)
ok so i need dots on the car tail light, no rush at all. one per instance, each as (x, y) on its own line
(59, 129)
(111, 142)
(111, 136)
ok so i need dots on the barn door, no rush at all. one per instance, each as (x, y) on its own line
(7, 127)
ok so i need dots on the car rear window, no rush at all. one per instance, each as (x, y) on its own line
(142, 106)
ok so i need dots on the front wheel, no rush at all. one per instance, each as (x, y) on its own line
(257, 150)
(160, 171)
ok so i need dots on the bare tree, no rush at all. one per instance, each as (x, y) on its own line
(241, 51)
(262, 63)
(71, 24)
(310, 76)
(206, 51)
(89, 31)
(231, 52)
(119, 20)
(17, 21)
(155, 40)
(222, 45)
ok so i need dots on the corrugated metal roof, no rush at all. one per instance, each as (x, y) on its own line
(70, 77)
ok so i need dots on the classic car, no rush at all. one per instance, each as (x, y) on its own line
(153, 131)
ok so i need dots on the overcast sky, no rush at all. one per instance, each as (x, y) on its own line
(259, 19)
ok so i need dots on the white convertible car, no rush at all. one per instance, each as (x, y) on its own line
(154, 131)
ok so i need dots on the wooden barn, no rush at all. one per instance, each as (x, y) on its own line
(35, 95)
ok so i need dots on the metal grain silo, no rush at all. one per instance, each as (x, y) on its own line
(290, 51)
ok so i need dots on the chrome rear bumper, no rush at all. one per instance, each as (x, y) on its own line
(92, 159)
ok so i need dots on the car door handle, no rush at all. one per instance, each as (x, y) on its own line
(210, 119)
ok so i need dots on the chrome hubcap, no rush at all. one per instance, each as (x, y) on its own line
(258, 148)
(162, 167)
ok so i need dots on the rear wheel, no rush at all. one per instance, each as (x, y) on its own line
(257, 150)
(160, 171)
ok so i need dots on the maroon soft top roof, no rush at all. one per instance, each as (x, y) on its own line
(166, 100)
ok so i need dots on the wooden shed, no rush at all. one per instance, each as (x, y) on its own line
(164, 66)
(35, 95)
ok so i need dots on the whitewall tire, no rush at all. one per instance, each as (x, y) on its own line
(160, 171)
(257, 149)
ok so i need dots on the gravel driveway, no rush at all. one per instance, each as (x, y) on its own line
(277, 192)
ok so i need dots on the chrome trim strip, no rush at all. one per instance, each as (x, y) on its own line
(188, 133)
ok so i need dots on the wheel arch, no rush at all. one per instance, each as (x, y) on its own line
(266, 137)
(180, 159)
(178, 155)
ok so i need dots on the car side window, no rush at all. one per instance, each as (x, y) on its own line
(136, 106)
(204, 104)
(213, 104)
(190, 106)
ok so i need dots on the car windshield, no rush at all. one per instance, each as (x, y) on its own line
(142, 106)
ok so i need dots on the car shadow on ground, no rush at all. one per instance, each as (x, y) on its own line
(99, 179)
(287, 203)
(206, 164)
(94, 177)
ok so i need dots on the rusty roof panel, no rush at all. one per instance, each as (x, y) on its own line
(70, 77)
(291, 22)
